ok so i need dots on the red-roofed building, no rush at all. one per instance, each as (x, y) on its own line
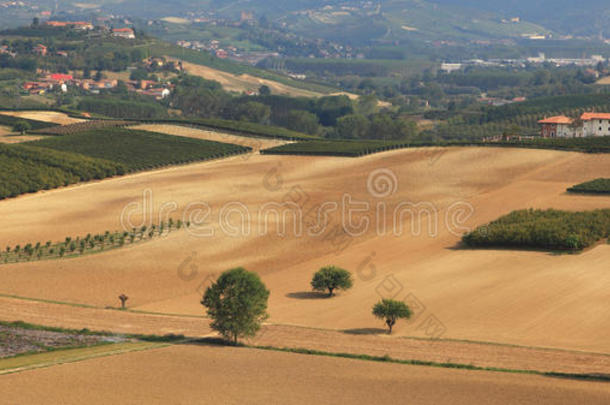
(126, 33)
(40, 49)
(80, 25)
(558, 127)
(60, 77)
(596, 124)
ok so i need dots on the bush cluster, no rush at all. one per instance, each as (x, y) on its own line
(543, 229)
(597, 186)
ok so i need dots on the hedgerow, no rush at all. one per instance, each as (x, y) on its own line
(597, 186)
(543, 229)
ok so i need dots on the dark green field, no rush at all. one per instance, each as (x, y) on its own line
(335, 148)
(347, 148)
(597, 186)
(543, 229)
(140, 150)
(27, 169)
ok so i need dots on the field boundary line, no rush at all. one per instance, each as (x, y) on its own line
(141, 346)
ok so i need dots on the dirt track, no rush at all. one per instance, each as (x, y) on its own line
(526, 298)
(215, 375)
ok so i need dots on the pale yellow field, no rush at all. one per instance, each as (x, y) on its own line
(255, 143)
(190, 374)
(528, 298)
(8, 136)
(244, 82)
(604, 80)
(45, 116)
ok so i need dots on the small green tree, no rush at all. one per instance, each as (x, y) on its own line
(22, 127)
(331, 278)
(237, 304)
(390, 311)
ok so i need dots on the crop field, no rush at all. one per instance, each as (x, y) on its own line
(348, 148)
(139, 150)
(16, 339)
(83, 126)
(255, 143)
(462, 296)
(543, 229)
(335, 148)
(8, 119)
(27, 169)
(597, 186)
(239, 127)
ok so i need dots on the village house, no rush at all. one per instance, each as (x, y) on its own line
(40, 49)
(589, 124)
(557, 127)
(79, 25)
(126, 33)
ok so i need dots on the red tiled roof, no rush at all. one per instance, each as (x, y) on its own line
(560, 119)
(60, 76)
(594, 116)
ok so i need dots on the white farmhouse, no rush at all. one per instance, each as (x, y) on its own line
(595, 124)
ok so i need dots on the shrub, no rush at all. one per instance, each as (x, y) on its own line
(391, 311)
(331, 278)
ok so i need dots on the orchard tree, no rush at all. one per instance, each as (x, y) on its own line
(331, 278)
(237, 304)
(21, 127)
(390, 311)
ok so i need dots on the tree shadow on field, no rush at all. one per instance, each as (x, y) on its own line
(366, 331)
(307, 295)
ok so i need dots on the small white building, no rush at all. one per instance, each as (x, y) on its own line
(595, 124)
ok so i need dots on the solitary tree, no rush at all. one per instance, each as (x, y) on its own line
(331, 278)
(391, 311)
(22, 127)
(237, 304)
(123, 299)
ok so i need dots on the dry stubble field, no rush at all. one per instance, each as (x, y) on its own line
(525, 298)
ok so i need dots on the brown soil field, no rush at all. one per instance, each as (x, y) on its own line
(373, 342)
(255, 143)
(202, 374)
(519, 297)
(45, 116)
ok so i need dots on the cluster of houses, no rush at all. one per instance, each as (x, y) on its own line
(588, 124)
(126, 33)
(62, 82)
